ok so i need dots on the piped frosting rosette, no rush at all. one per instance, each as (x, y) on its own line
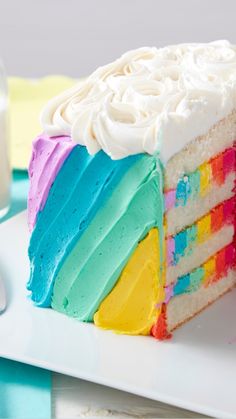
(149, 100)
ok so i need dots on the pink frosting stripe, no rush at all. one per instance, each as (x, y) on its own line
(170, 250)
(170, 199)
(48, 156)
(229, 210)
(229, 160)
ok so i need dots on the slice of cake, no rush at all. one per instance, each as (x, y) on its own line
(132, 196)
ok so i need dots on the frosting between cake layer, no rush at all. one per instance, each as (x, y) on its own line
(183, 243)
(211, 271)
(200, 182)
(148, 101)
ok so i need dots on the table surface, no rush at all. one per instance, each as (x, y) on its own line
(74, 398)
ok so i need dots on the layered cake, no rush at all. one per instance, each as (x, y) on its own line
(132, 191)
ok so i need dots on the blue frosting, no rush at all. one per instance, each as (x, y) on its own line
(182, 192)
(189, 283)
(180, 245)
(182, 284)
(80, 189)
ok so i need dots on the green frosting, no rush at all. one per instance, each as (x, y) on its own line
(96, 262)
(196, 278)
(194, 181)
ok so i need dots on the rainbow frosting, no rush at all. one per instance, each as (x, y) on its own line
(74, 269)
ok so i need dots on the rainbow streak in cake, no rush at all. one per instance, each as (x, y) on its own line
(184, 242)
(211, 271)
(198, 183)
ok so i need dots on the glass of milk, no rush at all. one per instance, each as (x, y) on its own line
(5, 173)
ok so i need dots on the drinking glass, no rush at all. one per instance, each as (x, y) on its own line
(5, 173)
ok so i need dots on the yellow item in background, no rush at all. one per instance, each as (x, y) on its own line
(27, 98)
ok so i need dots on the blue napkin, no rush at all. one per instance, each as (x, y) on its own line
(25, 391)
(19, 193)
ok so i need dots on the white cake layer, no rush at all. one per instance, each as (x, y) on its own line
(201, 253)
(177, 218)
(220, 137)
(182, 307)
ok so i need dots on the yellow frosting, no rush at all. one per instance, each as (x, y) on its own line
(132, 306)
(209, 268)
(204, 228)
(27, 98)
(205, 178)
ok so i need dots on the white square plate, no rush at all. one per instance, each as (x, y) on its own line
(196, 370)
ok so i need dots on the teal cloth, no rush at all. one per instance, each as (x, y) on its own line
(25, 391)
(19, 194)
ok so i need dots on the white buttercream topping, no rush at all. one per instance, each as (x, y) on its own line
(149, 100)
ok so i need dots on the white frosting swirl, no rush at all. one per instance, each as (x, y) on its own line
(149, 100)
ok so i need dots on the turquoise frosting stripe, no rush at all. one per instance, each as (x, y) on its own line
(184, 243)
(191, 239)
(182, 192)
(93, 267)
(180, 245)
(182, 284)
(187, 187)
(194, 182)
(80, 189)
(196, 278)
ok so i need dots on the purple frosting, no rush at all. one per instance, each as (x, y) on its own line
(48, 156)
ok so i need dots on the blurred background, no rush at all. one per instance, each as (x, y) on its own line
(73, 37)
